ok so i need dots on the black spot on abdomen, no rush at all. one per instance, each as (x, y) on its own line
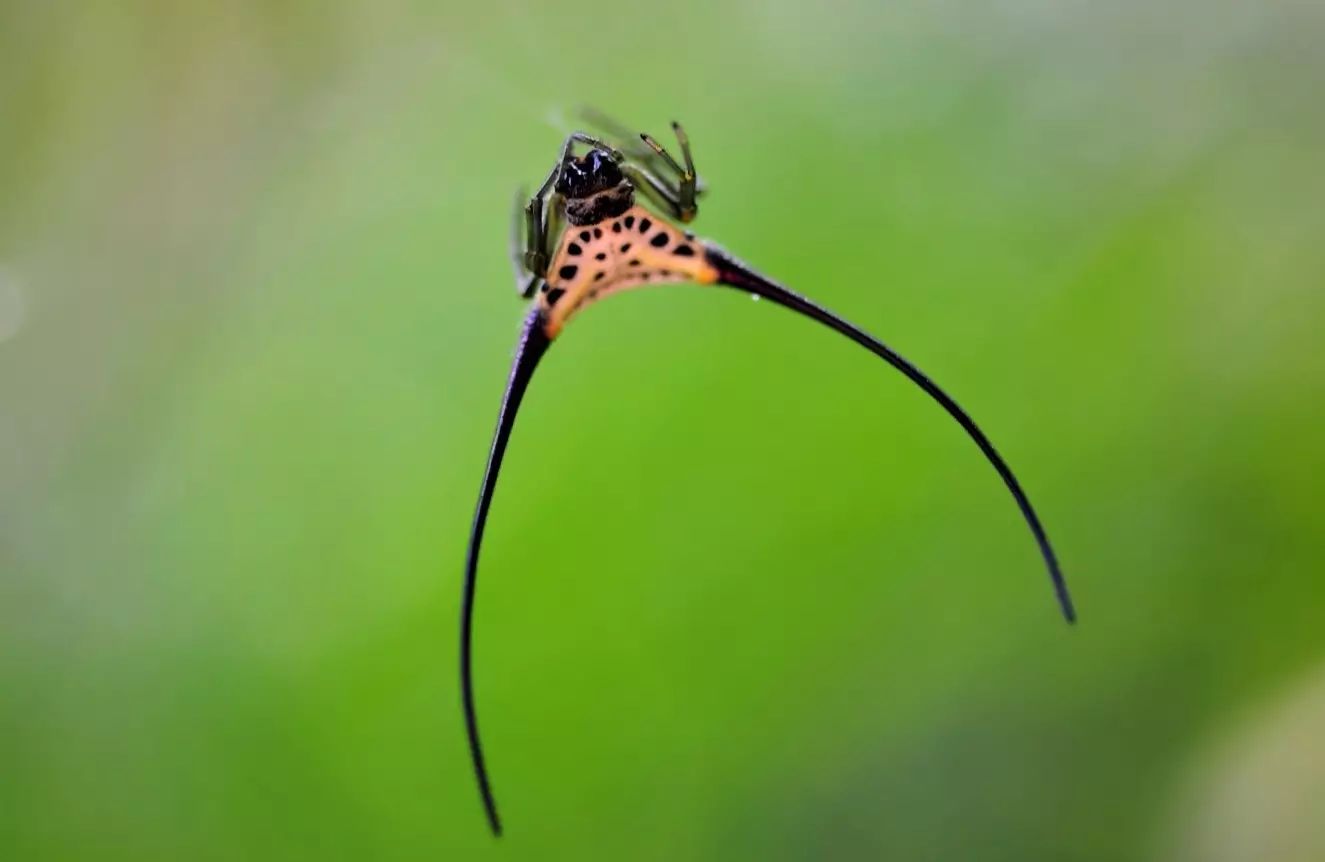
(683, 251)
(644, 225)
(659, 239)
(568, 271)
(554, 294)
(574, 249)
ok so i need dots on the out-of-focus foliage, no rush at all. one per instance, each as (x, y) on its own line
(746, 593)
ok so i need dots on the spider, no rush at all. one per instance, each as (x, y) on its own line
(586, 235)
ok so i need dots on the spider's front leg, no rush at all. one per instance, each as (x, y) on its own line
(627, 141)
(633, 145)
(541, 214)
(680, 198)
(526, 281)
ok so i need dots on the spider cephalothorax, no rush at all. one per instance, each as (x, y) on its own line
(593, 188)
(585, 236)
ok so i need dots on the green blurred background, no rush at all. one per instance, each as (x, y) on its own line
(746, 593)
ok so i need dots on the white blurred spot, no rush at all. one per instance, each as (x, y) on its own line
(13, 309)
(555, 118)
(1256, 794)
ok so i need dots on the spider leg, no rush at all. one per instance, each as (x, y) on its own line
(687, 188)
(662, 153)
(629, 142)
(599, 143)
(526, 281)
(657, 191)
(535, 254)
(556, 208)
(660, 192)
(542, 215)
(632, 144)
(689, 179)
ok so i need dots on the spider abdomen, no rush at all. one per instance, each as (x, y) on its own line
(633, 249)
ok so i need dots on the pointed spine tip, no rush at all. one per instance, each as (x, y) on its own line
(1069, 610)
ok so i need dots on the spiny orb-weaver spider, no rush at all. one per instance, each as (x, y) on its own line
(606, 241)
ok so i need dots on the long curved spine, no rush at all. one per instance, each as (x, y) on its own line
(532, 345)
(733, 273)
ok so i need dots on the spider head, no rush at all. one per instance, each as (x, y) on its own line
(587, 175)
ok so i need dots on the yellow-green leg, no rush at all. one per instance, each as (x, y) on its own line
(686, 188)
